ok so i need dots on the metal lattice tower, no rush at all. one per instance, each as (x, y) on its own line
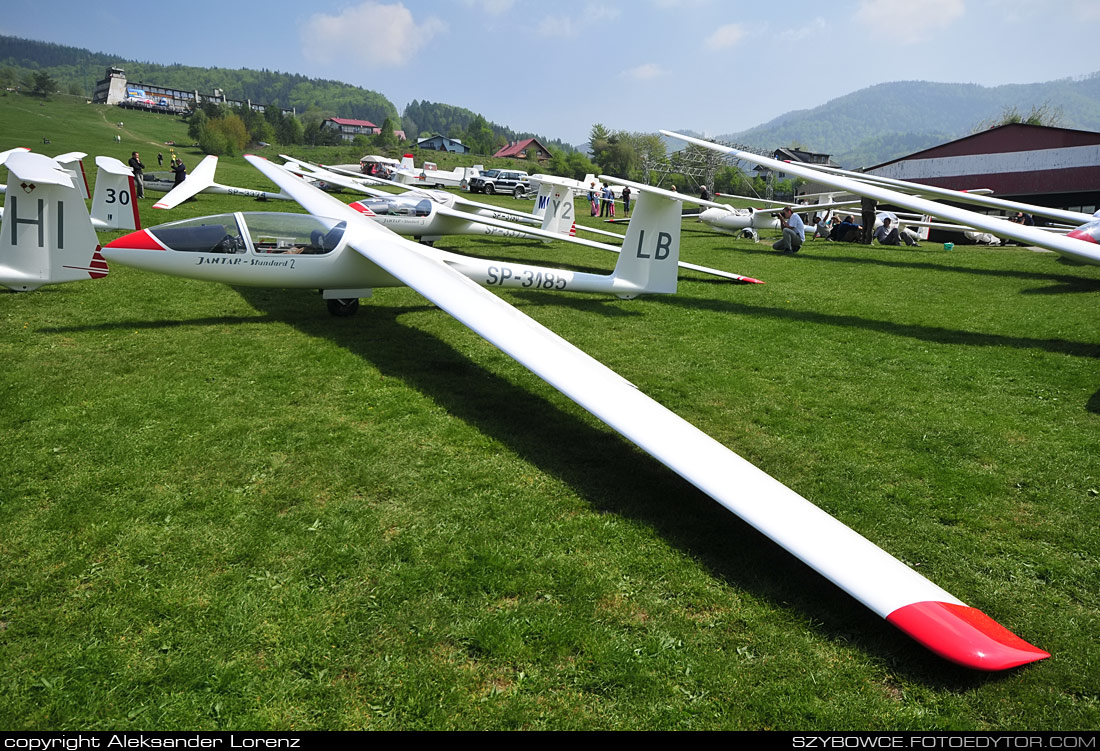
(700, 165)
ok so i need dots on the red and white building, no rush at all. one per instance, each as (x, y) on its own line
(349, 129)
(1047, 166)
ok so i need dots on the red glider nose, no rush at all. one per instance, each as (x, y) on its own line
(140, 240)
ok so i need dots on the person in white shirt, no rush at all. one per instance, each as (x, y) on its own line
(794, 232)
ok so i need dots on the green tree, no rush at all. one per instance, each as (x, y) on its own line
(43, 83)
(385, 139)
(289, 132)
(1040, 114)
(478, 136)
(213, 141)
(196, 124)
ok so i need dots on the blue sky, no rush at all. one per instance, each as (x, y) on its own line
(558, 67)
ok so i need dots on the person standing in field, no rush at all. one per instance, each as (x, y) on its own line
(139, 173)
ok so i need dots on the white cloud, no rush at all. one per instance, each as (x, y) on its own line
(906, 21)
(1085, 10)
(571, 26)
(644, 72)
(725, 37)
(492, 7)
(370, 34)
(601, 12)
(814, 28)
(556, 26)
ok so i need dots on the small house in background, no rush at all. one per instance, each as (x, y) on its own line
(798, 156)
(441, 143)
(349, 129)
(525, 149)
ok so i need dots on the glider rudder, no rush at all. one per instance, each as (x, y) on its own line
(114, 204)
(651, 250)
(47, 235)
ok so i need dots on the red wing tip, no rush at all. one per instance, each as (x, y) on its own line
(965, 636)
(750, 280)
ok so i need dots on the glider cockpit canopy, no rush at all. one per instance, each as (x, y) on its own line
(266, 232)
(399, 206)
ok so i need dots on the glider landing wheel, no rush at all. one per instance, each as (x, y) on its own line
(343, 307)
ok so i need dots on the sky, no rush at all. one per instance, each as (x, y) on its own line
(557, 68)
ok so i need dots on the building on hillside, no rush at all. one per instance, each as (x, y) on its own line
(114, 89)
(437, 142)
(521, 149)
(1046, 166)
(349, 129)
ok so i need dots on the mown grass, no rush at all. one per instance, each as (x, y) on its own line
(222, 508)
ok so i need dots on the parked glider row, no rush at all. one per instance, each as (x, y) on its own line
(1081, 243)
(346, 254)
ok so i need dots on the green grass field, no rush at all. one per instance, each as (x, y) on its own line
(223, 508)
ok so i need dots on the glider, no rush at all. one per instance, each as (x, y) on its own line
(357, 250)
(427, 215)
(1082, 244)
(201, 180)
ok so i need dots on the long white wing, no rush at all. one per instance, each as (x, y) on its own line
(1080, 250)
(881, 582)
(975, 197)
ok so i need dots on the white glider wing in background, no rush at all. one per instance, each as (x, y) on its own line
(911, 602)
(1080, 245)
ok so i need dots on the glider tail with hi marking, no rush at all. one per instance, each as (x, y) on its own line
(47, 235)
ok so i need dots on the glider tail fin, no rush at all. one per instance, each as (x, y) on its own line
(114, 205)
(542, 200)
(46, 236)
(651, 250)
(559, 214)
(72, 164)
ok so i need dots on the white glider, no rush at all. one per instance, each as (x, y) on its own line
(201, 180)
(350, 247)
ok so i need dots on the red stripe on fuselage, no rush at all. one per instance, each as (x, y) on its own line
(140, 240)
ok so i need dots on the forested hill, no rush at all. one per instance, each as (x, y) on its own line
(76, 71)
(881, 122)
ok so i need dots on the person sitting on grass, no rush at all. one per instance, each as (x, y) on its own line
(847, 231)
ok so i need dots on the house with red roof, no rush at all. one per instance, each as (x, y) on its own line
(520, 150)
(349, 129)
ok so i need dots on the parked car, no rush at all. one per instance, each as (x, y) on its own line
(493, 181)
